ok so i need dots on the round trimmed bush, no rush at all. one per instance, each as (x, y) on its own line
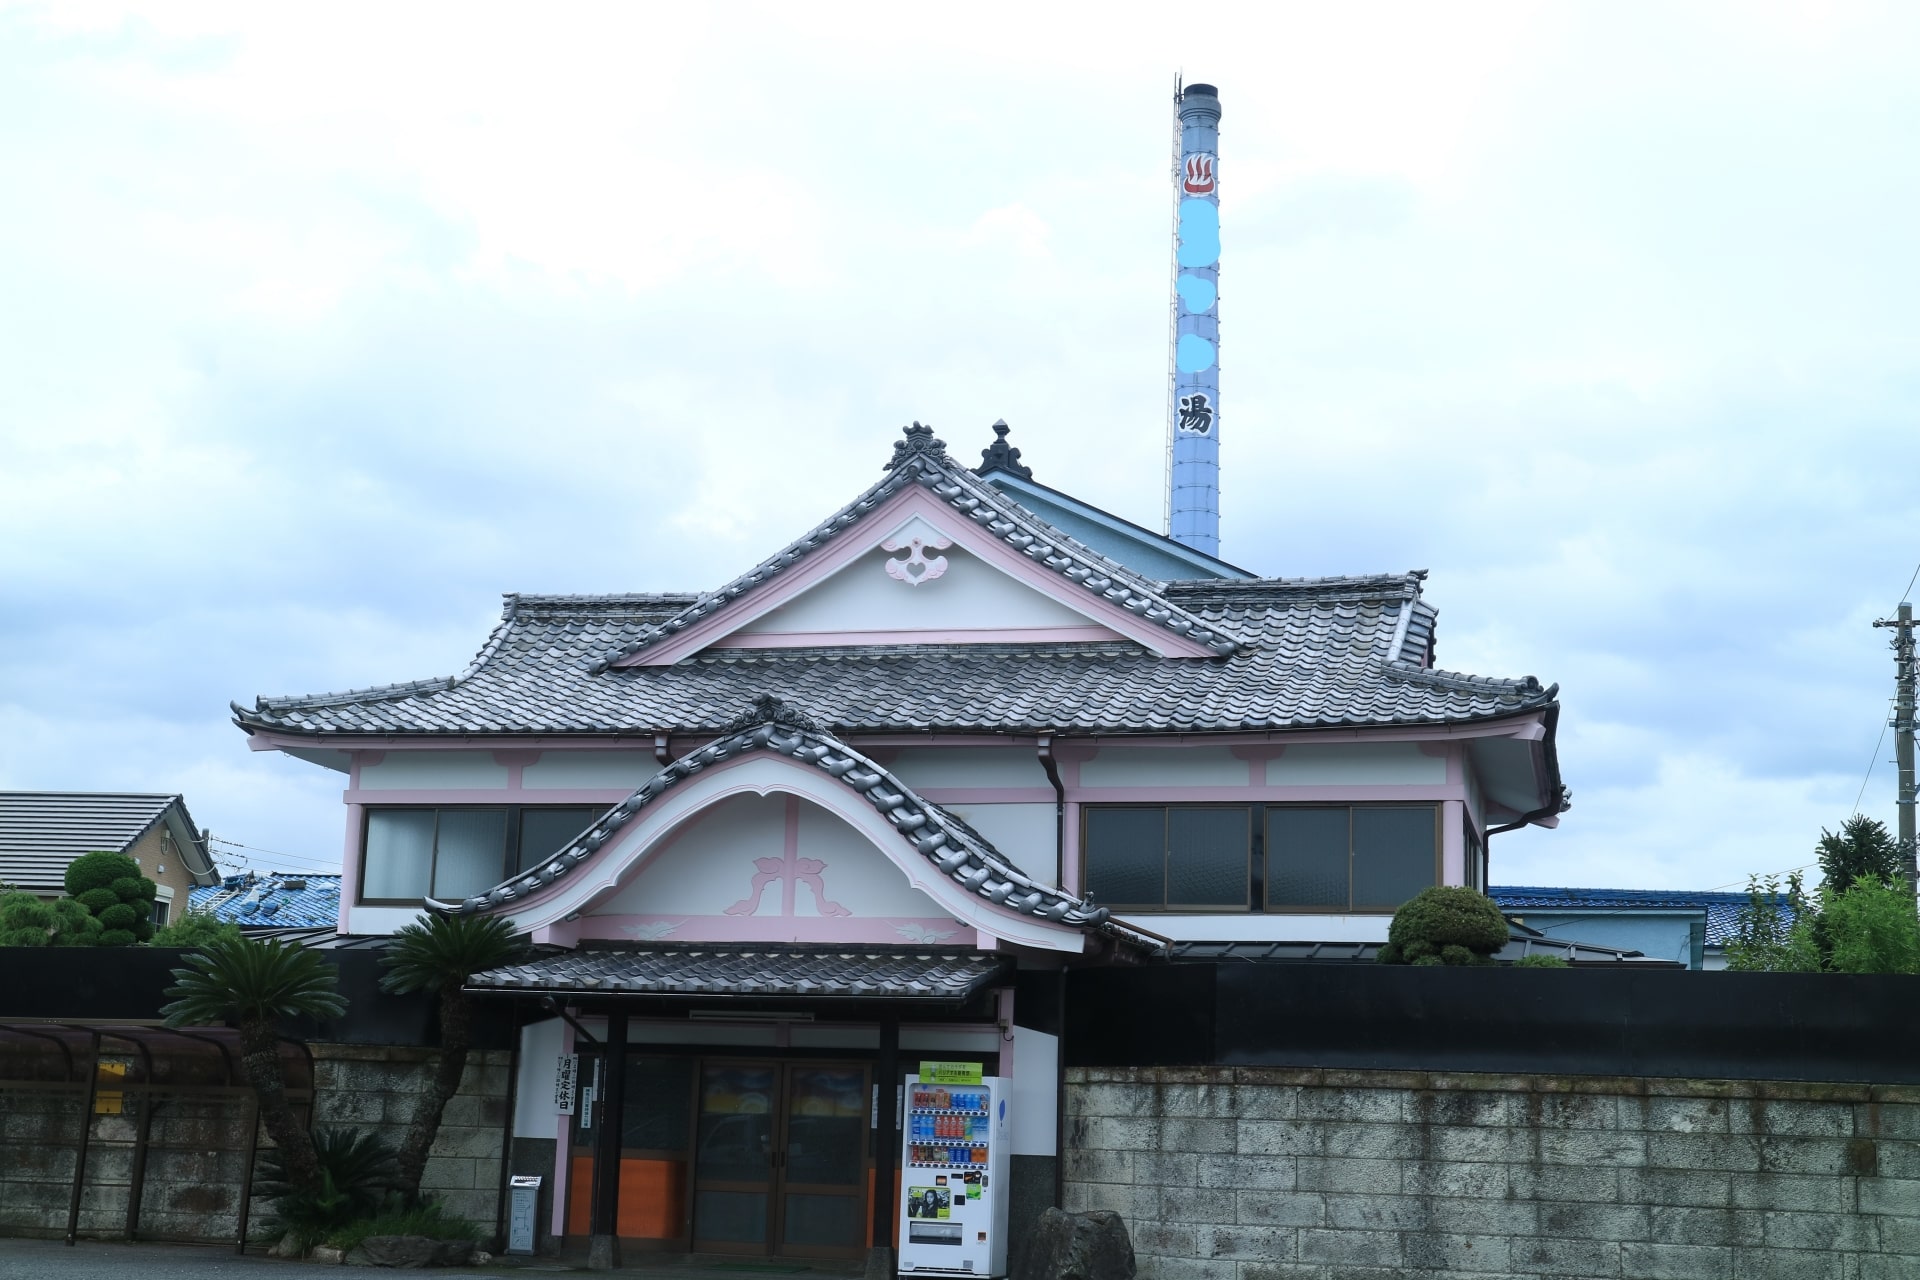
(134, 888)
(116, 938)
(117, 916)
(1446, 925)
(111, 889)
(97, 900)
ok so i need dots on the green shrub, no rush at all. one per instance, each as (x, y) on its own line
(421, 1220)
(1445, 925)
(1873, 928)
(1776, 930)
(27, 921)
(1541, 960)
(193, 931)
(111, 887)
(358, 1174)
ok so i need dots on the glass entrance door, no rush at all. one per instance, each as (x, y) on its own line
(780, 1159)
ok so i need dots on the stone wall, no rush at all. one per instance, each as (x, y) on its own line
(1227, 1173)
(198, 1142)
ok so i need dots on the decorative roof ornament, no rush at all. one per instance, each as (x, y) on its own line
(768, 709)
(919, 440)
(1001, 456)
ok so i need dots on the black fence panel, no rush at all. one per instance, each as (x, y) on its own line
(1674, 1023)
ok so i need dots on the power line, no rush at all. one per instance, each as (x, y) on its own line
(1873, 759)
(293, 857)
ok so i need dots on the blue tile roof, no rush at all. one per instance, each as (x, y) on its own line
(1722, 908)
(275, 900)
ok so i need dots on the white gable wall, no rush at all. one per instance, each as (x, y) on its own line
(970, 596)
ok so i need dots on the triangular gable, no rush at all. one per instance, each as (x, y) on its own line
(1049, 587)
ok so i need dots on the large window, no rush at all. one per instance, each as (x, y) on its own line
(449, 854)
(1259, 857)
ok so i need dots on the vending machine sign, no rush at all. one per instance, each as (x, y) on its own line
(951, 1072)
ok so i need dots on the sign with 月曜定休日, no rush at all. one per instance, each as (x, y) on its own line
(566, 1083)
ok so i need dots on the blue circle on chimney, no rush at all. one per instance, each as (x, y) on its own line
(1196, 292)
(1193, 353)
(1199, 232)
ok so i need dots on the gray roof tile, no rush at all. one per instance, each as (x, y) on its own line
(41, 832)
(810, 972)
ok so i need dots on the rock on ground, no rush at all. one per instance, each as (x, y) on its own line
(1076, 1246)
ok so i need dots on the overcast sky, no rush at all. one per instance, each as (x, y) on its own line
(318, 333)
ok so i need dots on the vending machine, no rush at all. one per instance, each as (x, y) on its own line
(953, 1173)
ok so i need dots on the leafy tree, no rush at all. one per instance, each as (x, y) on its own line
(1864, 847)
(1540, 960)
(121, 899)
(1774, 932)
(256, 984)
(27, 921)
(440, 956)
(1445, 925)
(1873, 927)
(194, 931)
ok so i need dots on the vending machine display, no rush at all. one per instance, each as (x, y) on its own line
(953, 1177)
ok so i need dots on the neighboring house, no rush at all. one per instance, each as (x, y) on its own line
(276, 900)
(863, 804)
(1687, 926)
(42, 832)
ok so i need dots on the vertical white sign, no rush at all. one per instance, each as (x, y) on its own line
(566, 1083)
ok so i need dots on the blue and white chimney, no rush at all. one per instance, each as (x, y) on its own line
(1193, 464)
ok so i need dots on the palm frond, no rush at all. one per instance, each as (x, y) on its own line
(446, 951)
(247, 980)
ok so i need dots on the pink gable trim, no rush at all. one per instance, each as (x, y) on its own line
(913, 501)
(975, 635)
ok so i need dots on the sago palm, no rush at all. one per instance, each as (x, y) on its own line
(256, 985)
(439, 956)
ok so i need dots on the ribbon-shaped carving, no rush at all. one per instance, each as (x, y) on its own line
(917, 567)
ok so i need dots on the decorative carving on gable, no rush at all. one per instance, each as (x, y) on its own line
(919, 440)
(794, 871)
(917, 567)
(767, 709)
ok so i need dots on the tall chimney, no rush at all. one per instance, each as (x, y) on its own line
(1193, 431)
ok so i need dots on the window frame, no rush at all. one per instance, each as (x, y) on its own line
(1259, 855)
(1351, 908)
(509, 844)
(1254, 835)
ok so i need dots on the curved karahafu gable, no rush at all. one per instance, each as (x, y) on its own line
(953, 848)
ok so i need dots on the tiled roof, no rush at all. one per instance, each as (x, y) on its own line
(763, 971)
(959, 852)
(1522, 943)
(920, 459)
(41, 832)
(1722, 908)
(274, 900)
(1290, 653)
(1314, 652)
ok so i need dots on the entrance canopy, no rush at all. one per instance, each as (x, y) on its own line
(759, 973)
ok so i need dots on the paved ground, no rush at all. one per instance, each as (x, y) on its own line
(97, 1260)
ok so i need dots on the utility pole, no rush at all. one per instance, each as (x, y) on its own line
(1903, 727)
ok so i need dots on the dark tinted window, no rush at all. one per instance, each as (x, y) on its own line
(1207, 857)
(1393, 855)
(1125, 855)
(1307, 852)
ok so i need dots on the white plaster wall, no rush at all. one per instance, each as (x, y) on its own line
(858, 876)
(623, 769)
(533, 1109)
(1036, 1098)
(404, 770)
(381, 919)
(968, 767)
(709, 866)
(1247, 927)
(1164, 767)
(971, 595)
(1025, 833)
(1356, 764)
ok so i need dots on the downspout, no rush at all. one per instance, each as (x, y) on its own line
(1044, 749)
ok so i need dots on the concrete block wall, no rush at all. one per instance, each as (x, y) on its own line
(378, 1087)
(198, 1143)
(1226, 1173)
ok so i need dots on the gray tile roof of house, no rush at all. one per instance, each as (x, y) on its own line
(41, 832)
(1721, 908)
(760, 971)
(1522, 943)
(959, 852)
(1291, 653)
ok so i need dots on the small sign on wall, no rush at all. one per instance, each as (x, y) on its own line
(566, 1083)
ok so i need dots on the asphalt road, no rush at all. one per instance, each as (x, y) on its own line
(97, 1260)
